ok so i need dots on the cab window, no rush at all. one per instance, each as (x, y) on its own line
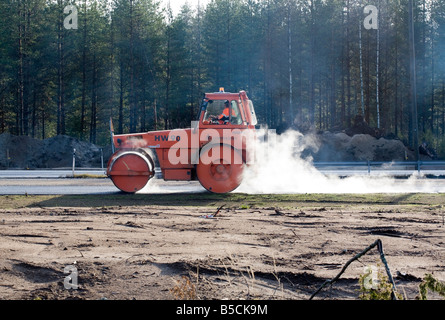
(236, 114)
(217, 112)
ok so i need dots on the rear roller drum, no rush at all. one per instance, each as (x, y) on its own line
(130, 170)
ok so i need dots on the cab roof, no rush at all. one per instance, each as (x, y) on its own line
(225, 95)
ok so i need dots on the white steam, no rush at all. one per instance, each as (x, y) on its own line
(280, 168)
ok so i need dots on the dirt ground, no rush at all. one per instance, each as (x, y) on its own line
(248, 250)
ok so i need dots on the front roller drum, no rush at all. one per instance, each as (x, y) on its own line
(220, 169)
(130, 171)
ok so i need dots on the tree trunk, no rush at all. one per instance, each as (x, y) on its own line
(21, 102)
(362, 101)
(133, 120)
(377, 75)
(84, 75)
(348, 68)
(289, 54)
(396, 87)
(121, 98)
(312, 62)
(432, 78)
(60, 75)
(143, 128)
(167, 83)
(93, 121)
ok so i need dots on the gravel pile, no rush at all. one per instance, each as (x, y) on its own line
(57, 152)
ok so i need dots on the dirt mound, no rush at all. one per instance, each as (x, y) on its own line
(360, 147)
(55, 152)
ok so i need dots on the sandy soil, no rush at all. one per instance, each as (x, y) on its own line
(166, 252)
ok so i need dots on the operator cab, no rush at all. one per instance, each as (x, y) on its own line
(224, 108)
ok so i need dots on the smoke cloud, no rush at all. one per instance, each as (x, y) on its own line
(281, 168)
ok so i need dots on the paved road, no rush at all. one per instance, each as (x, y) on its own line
(39, 182)
(56, 186)
(55, 173)
(60, 182)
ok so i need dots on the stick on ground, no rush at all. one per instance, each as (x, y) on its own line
(377, 243)
(217, 211)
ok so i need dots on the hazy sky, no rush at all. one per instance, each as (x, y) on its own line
(177, 4)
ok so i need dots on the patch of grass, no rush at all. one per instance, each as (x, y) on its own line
(21, 201)
(184, 289)
(235, 200)
(430, 283)
(376, 287)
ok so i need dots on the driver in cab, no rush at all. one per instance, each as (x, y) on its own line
(224, 117)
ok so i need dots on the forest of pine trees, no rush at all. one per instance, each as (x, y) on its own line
(306, 64)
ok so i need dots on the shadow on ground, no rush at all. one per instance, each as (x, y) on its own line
(230, 200)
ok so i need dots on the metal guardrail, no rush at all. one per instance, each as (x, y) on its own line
(383, 165)
(342, 168)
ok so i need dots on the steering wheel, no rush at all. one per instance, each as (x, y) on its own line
(215, 120)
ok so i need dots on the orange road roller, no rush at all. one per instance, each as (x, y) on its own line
(215, 149)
